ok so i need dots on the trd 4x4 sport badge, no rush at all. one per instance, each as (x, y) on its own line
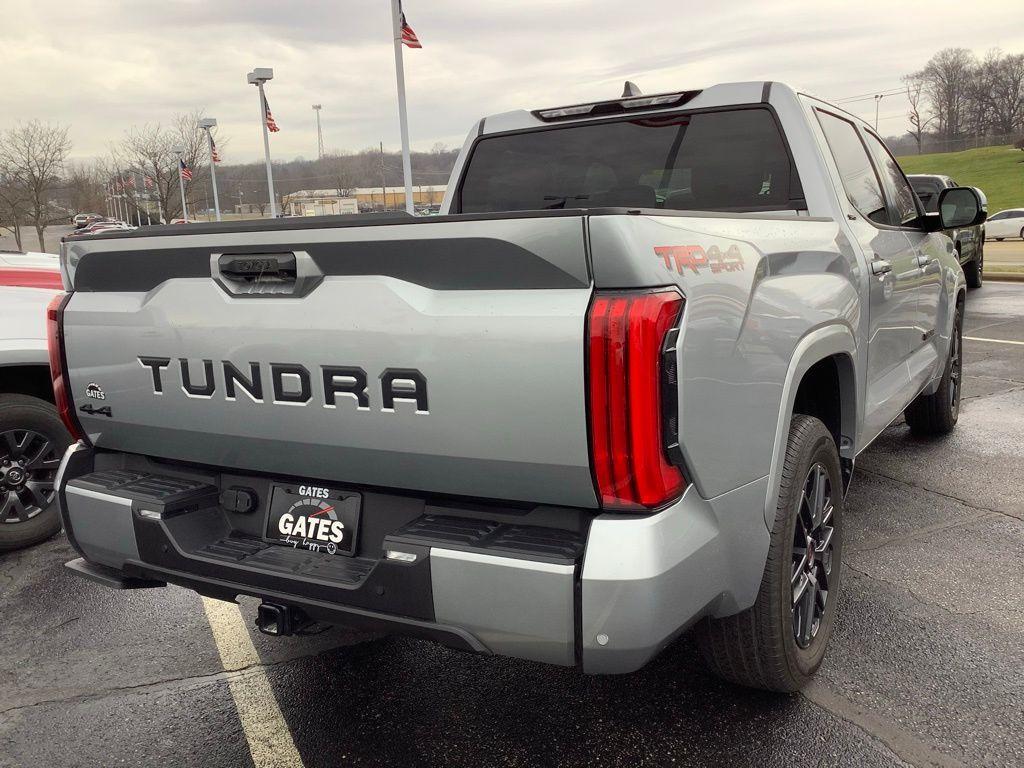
(695, 257)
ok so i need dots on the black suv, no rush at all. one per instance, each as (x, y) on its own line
(968, 241)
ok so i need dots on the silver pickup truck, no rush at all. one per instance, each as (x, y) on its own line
(614, 392)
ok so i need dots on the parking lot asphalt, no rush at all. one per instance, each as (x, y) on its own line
(925, 667)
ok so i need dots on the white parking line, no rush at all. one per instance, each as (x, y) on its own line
(270, 740)
(995, 341)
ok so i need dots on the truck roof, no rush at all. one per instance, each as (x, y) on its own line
(721, 95)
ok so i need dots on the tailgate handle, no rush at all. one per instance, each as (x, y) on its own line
(265, 274)
(263, 266)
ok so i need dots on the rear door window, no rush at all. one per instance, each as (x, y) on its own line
(901, 194)
(733, 160)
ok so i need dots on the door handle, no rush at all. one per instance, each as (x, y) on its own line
(880, 267)
(923, 260)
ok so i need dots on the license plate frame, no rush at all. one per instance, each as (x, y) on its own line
(319, 508)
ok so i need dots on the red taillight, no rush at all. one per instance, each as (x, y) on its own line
(25, 277)
(625, 336)
(55, 345)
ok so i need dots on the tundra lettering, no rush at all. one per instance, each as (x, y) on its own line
(292, 384)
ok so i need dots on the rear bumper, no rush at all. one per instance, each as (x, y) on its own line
(608, 602)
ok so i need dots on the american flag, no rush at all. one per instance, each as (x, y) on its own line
(130, 181)
(271, 124)
(148, 181)
(213, 151)
(184, 170)
(408, 36)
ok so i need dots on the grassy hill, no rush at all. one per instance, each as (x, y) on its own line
(998, 171)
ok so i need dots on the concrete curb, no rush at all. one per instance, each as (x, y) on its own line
(1010, 277)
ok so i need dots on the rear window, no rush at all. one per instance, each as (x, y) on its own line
(928, 193)
(733, 160)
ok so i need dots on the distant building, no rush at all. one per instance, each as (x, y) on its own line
(327, 202)
(318, 202)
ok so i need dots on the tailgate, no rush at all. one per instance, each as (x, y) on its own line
(444, 356)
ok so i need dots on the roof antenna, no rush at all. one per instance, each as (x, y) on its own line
(631, 89)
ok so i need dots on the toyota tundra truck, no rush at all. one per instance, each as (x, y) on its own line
(615, 392)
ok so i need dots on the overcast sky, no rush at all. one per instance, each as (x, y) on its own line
(102, 66)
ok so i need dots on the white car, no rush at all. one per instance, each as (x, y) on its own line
(1008, 223)
(29, 269)
(32, 437)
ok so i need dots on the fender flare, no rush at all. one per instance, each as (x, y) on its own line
(818, 344)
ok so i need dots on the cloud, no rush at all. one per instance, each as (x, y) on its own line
(114, 64)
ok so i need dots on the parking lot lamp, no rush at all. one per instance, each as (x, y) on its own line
(258, 77)
(206, 124)
(180, 152)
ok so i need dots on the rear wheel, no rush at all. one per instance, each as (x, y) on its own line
(32, 441)
(937, 413)
(779, 643)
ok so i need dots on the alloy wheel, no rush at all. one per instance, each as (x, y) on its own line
(28, 468)
(812, 555)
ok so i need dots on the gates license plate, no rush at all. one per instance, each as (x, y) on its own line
(314, 518)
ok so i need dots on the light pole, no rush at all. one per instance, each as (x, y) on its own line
(878, 98)
(258, 77)
(180, 151)
(319, 133)
(206, 124)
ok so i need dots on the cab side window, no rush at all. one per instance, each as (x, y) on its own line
(900, 192)
(859, 178)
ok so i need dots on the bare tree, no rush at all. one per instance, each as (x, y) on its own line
(918, 121)
(947, 80)
(149, 151)
(13, 205)
(1004, 91)
(33, 154)
(83, 188)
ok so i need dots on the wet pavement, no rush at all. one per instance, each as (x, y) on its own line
(925, 667)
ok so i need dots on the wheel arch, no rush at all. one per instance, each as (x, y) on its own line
(26, 379)
(822, 379)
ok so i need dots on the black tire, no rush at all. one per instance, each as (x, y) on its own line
(937, 413)
(759, 647)
(28, 506)
(974, 270)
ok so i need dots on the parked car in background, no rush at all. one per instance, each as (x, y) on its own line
(32, 437)
(1008, 223)
(969, 242)
(82, 219)
(104, 226)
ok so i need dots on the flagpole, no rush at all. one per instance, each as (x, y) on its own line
(135, 196)
(181, 185)
(403, 120)
(207, 124)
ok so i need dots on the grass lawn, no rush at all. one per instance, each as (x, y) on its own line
(997, 171)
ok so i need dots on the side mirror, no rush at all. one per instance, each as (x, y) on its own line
(962, 207)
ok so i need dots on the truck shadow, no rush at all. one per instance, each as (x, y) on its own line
(406, 702)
